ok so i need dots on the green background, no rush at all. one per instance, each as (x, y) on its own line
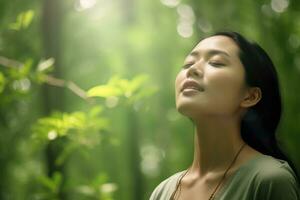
(87, 106)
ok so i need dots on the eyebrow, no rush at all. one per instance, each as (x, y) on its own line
(209, 53)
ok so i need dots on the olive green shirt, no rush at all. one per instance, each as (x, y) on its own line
(261, 178)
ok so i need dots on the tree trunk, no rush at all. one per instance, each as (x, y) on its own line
(53, 98)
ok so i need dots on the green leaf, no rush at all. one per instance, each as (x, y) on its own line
(2, 82)
(135, 84)
(27, 18)
(148, 92)
(65, 153)
(104, 91)
(25, 70)
(47, 182)
(114, 80)
(45, 65)
(57, 180)
(99, 180)
(95, 111)
(14, 26)
(23, 20)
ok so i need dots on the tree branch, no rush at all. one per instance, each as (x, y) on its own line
(50, 80)
(6, 62)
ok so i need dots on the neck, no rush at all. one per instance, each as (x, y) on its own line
(216, 143)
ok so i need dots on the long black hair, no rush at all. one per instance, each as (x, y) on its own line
(259, 124)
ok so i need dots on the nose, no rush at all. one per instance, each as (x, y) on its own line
(194, 71)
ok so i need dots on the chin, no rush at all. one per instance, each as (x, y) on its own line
(187, 110)
(193, 110)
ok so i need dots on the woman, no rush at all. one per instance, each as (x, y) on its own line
(228, 87)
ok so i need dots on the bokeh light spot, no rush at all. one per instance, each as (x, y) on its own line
(170, 3)
(52, 135)
(186, 20)
(112, 101)
(81, 5)
(151, 158)
(279, 6)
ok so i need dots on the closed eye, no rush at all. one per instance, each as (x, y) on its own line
(218, 64)
(187, 65)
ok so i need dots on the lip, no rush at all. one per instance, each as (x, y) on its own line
(191, 84)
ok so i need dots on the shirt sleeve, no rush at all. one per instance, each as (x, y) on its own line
(156, 194)
(165, 189)
(276, 184)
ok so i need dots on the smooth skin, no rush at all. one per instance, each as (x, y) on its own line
(216, 112)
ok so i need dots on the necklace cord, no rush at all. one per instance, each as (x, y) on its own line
(178, 185)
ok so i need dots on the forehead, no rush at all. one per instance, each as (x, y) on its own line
(222, 43)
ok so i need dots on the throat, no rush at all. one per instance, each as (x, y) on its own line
(214, 149)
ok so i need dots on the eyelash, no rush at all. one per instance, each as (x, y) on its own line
(187, 65)
(216, 63)
(211, 63)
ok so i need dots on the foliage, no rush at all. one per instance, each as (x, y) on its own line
(23, 20)
(133, 90)
(81, 130)
(116, 139)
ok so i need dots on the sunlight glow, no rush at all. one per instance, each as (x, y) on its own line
(81, 5)
(22, 85)
(186, 13)
(186, 20)
(204, 25)
(170, 3)
(112, 101)
(108, 187)
(151, 158)
(185, 30)
(279, 6)
(52, 135)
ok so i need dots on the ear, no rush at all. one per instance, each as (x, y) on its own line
(252, 97)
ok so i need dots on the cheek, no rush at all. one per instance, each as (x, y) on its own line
(226, 86)
(178, 81)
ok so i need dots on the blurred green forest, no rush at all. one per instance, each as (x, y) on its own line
(87, 106)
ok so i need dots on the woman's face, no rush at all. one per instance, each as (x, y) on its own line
(212, 80)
